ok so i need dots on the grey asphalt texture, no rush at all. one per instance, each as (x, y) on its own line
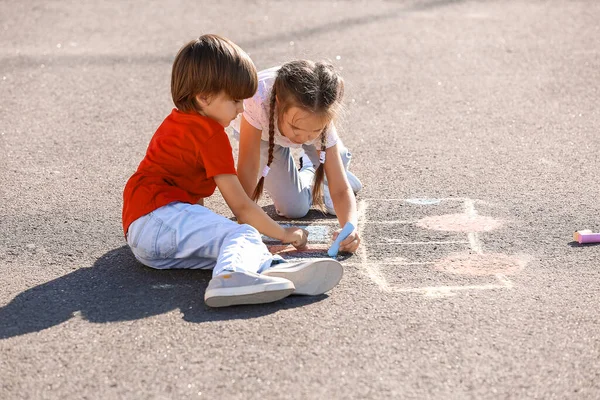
(493, 101)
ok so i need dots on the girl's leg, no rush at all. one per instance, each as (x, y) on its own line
(313, 159)
(289, 189)
(181, 235)
(313, 154)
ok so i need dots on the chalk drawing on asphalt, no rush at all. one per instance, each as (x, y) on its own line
(467, 225)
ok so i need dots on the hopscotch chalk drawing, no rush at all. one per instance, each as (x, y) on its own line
(459, 248)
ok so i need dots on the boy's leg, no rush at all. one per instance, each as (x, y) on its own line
(186, 236)
(290, 190)
(181, 235)
(246, 288)
(310, 277)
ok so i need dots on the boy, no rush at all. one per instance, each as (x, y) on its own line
(164, 221)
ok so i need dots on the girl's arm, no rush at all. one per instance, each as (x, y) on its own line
(342, 196)
(248, 212)
(249, 156)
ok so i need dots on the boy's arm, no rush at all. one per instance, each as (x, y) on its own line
(248, 212)
(249, 156)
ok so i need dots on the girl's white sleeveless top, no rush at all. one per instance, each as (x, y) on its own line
(256, 112)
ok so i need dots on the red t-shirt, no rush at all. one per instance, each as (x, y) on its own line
(185, 154)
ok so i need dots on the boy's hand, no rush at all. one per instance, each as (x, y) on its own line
(350, 244)
(296, 236)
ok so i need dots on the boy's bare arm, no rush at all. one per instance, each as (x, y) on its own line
(248, 212)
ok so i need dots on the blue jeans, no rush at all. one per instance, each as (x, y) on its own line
(182, 235)
(290, 189)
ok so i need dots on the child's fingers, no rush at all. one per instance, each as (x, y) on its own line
(301, 242)
(351, 238)
(350, 248)
(304, 239)
(299, 246)
(350, 244)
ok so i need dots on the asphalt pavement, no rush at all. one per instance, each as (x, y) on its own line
(473, 126)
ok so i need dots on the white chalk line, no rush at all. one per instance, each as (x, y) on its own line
(336, 222)
(457, 199)
(399, 241)
(474, 242)
(504, 280)
(311, 222)
(469, 205)
(430, 291)
(372, 268)
(397, 222)
(373, 273)
(439, 291)
(388, 263)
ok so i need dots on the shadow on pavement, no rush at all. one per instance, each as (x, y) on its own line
(313, 216)
(118, 288)
(577, 244)
(345, 24)
(26, 61)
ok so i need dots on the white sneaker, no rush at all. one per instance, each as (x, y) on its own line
(355, 183)
(246, 288)
(310, 277)
(327, 202)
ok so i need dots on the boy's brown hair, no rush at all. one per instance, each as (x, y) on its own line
(209, 65)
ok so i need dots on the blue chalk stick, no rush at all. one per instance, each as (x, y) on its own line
(335, 247)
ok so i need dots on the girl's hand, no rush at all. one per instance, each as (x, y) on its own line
(350, 244)
(296, 236)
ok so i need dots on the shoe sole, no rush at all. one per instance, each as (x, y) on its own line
(224, 297)
(311, 279)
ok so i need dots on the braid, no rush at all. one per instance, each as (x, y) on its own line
(317, 197)
(316, 88)
(271, 127)
(261, 182)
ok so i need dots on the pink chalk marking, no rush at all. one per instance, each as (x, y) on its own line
(459, 223)
(466, 263)
(288, 249)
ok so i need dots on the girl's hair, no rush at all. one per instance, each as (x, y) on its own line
(314, 87)
(209, 65)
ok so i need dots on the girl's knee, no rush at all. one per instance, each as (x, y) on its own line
(292, 211)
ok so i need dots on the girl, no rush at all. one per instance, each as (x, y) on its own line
(295, 106)
(164, 221)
